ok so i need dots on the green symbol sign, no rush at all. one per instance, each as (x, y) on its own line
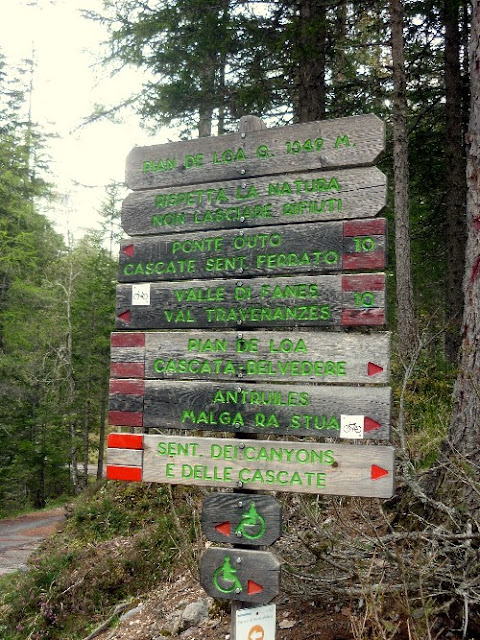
(225, 578)
(252, 524)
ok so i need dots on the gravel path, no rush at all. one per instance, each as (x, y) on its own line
(20, 536)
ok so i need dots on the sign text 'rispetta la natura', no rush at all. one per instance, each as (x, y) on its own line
(269, 356)
(328, 247)
(344, 142)
(296, 197)
(325, 300)
(268, 409)
(300, 467)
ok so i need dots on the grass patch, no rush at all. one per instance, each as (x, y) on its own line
(119, 541)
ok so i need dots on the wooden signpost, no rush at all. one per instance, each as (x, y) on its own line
(242, 518)
(300, 467)
(304, 248)
(294, 197)
(261, 229)
(271, 356)
(325, 300)
(267, 409)
(240, 574)
(345, 142)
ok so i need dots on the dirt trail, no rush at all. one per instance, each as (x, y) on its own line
(20, 536)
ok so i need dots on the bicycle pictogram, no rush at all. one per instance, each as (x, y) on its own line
(225, 578)
(252, 524)
(352, 427)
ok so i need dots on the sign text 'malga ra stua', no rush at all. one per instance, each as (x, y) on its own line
(206, 355)
(268, 409)
(329, 247)
(295, 197)
(301, 467)
(345, 142)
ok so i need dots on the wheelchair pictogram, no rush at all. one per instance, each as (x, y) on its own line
(252, 524)
(225, 578)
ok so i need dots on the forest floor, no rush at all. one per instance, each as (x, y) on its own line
(20, 536)
(159, 617)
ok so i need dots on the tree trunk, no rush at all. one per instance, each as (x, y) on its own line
(455, 180)
(406, 325)
(464, 434)
(311, 60)
(86, 442)
(101, 444)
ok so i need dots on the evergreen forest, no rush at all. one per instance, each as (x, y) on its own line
(206, 63)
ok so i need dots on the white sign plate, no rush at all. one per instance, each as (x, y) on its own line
(256, 624)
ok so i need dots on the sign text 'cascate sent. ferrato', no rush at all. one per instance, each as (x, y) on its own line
(265, 251)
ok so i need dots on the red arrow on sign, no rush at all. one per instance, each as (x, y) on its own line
(224, 528)
(129, 250)
(373, 369)
(253, 587)
(369, 424)
(378, 472)
(125, 316)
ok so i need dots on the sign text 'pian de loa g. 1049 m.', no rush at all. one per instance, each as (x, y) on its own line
(300, 467)
(293, 301)
(344, 142)
(319, 196)
(295, 249)
(270, 409)
(332, 358)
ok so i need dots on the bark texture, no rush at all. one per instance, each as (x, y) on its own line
(406, 325)
(464, 434)
(455, 179)
(311, 63)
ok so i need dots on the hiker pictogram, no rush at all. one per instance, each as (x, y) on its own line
(252, 524)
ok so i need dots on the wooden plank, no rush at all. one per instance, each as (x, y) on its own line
(124, 457)
(242, 518)
(240, 574)
(296, 197)
(269, 409)
(265, 251)
(343, 142)
(299, 467)
(326, 300)
(256, 355)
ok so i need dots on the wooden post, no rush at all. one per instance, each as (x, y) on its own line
(246, 124)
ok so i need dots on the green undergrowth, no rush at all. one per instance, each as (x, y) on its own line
(118, 542)
(427, 402)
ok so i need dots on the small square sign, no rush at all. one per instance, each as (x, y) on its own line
(352, 427)
(141, 294)
(256, 624)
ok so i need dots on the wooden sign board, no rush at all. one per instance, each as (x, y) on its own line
(269, 409)
(269, 465)
(240, 574)
(294, 249)
(296, 197)
(344, 142)
(242, 518)
(295, 301)
(256, 355)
